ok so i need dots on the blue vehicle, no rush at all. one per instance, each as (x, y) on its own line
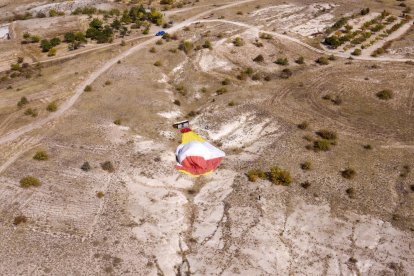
(160, 33)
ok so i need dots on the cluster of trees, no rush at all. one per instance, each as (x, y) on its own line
(98, 32)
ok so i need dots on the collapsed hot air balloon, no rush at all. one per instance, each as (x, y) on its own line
(194, 155)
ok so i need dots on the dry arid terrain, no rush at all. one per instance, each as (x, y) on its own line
(312, 102)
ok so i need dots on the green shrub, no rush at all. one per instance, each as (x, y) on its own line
(51, 52)
(153, 50)
(186, 46)
(321, 145)
(322, 61)
(265, 36)
(41, 155)
(327, 134)
(100, 194)
(207, 45)
(31, 112)
(23, 101)
(158, 63)
(87, 88)
(231, 103)
(108, 166)
(300, 60)
(52, 107)
(306, 166)
(253, 175)
(282, 61)
(15, 67)
(238, 42)
(332, 57)
(118, 122)
(28, 181)
(385, 94)
(356, 52)
(348, 173)
(280, 177)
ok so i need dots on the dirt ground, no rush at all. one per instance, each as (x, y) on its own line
(145, 218)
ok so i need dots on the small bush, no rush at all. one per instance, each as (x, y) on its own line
(332, 57)
(350, 192)
(153, 50)
(327, 134)
(19, 219)
(118, 122)
(41, 155)
(31, 112)
(259, 58)
(221, 91)
(23, 101)
(238, 42)
(306, 166)
(51, 52)
(305, 185)
(159, 42)
(327, 97)
(337, 100)
(367, 147)
(265, 36)
(286, 73)
(321, 145)
(87, 88)
(108, 166)
(348, 173)
(86, 167)
(304, 125)
(186, 46)
(207, 45)
(225, 82)
(322, 61)
(108, 82)
(300, 60)
(157, 63)
(100, 194)
(280, 177)
(405, 171)
(232, 103)
(29, 181)
(52, 107)
(177, 102)
(385, 94)
(253, 175)
(356, 52)
(282, 61)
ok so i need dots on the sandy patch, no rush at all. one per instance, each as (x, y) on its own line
(170, 114)
(207, 61)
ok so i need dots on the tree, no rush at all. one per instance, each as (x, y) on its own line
(69, 37)
(55, 41)
(45, 45)
(96, 23)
